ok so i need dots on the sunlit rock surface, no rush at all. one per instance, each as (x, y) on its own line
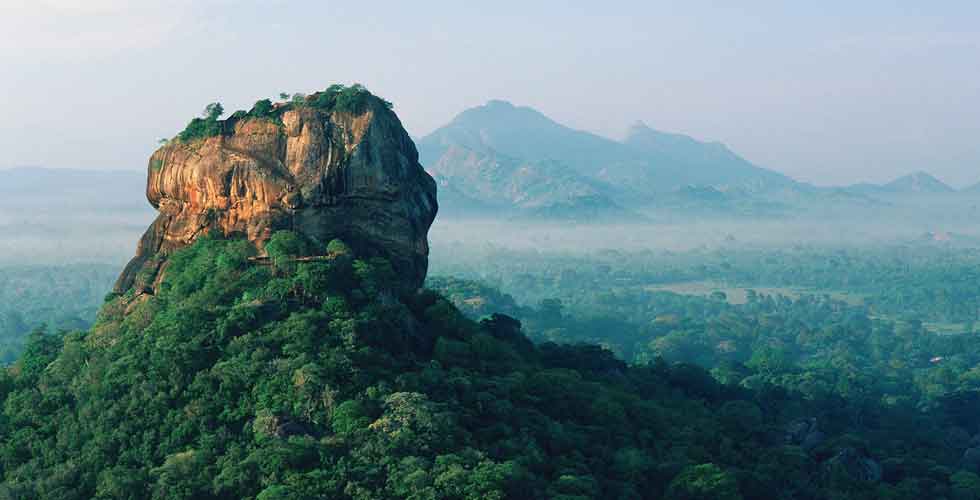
(354, 176)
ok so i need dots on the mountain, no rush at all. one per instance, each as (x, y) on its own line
(519, 132)
(503, 157)
(973, 189)
(512, 186)
(917, 183)
(480, 151)
(702, 163)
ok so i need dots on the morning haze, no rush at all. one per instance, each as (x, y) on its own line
(563, 250)
(832, 94)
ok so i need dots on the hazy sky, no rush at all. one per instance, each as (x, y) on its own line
(828, 92)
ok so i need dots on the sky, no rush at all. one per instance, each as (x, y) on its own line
(827, 92)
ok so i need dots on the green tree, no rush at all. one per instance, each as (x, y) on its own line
(213, 111)
(966, 485)
(703, 482)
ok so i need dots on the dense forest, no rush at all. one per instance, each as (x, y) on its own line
(928, 282)
(323, 379)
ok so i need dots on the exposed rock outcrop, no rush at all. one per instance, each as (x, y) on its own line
(324, 173)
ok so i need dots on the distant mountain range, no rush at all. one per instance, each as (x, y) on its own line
(918, 183)
(514, 160)
(500, 160)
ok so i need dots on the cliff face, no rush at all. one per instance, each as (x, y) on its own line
(353, 176)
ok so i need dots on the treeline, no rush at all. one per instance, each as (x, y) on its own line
(351, 99)
(916, 281)
(901, 395)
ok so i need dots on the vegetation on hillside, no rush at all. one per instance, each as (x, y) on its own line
(352, 99)
(310, 379)
(313, 379)
(930, 283)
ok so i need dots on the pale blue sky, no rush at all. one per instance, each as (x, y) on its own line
(828, 92)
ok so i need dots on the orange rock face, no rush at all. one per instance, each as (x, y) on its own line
(325, 174)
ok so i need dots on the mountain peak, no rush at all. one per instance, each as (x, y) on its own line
(499, 103)
(918, 182)
(646, 164)
(496, 111)
(639, 126)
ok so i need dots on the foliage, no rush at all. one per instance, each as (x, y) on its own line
(207, 126)
(912, 281)
(355, 99)
(263, 108)
(284, 246)
(704, 482)
(318, 378)
(904, 389)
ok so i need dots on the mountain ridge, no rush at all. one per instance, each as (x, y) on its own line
(637, 171)
(915, 183)
(918, 182)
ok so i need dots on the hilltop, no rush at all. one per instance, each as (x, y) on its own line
(914, 184)
(334, 164)
(918, 182)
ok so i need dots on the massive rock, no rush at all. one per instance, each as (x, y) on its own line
(326, 174)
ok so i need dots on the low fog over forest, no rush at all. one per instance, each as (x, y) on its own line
(766, 328)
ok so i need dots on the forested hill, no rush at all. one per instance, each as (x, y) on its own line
(310, 379)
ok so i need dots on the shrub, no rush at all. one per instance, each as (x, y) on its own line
(354, 99)
(262, 109)
(283, 246)
(208, 126)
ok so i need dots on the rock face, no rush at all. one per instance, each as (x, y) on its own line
(325, 174)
